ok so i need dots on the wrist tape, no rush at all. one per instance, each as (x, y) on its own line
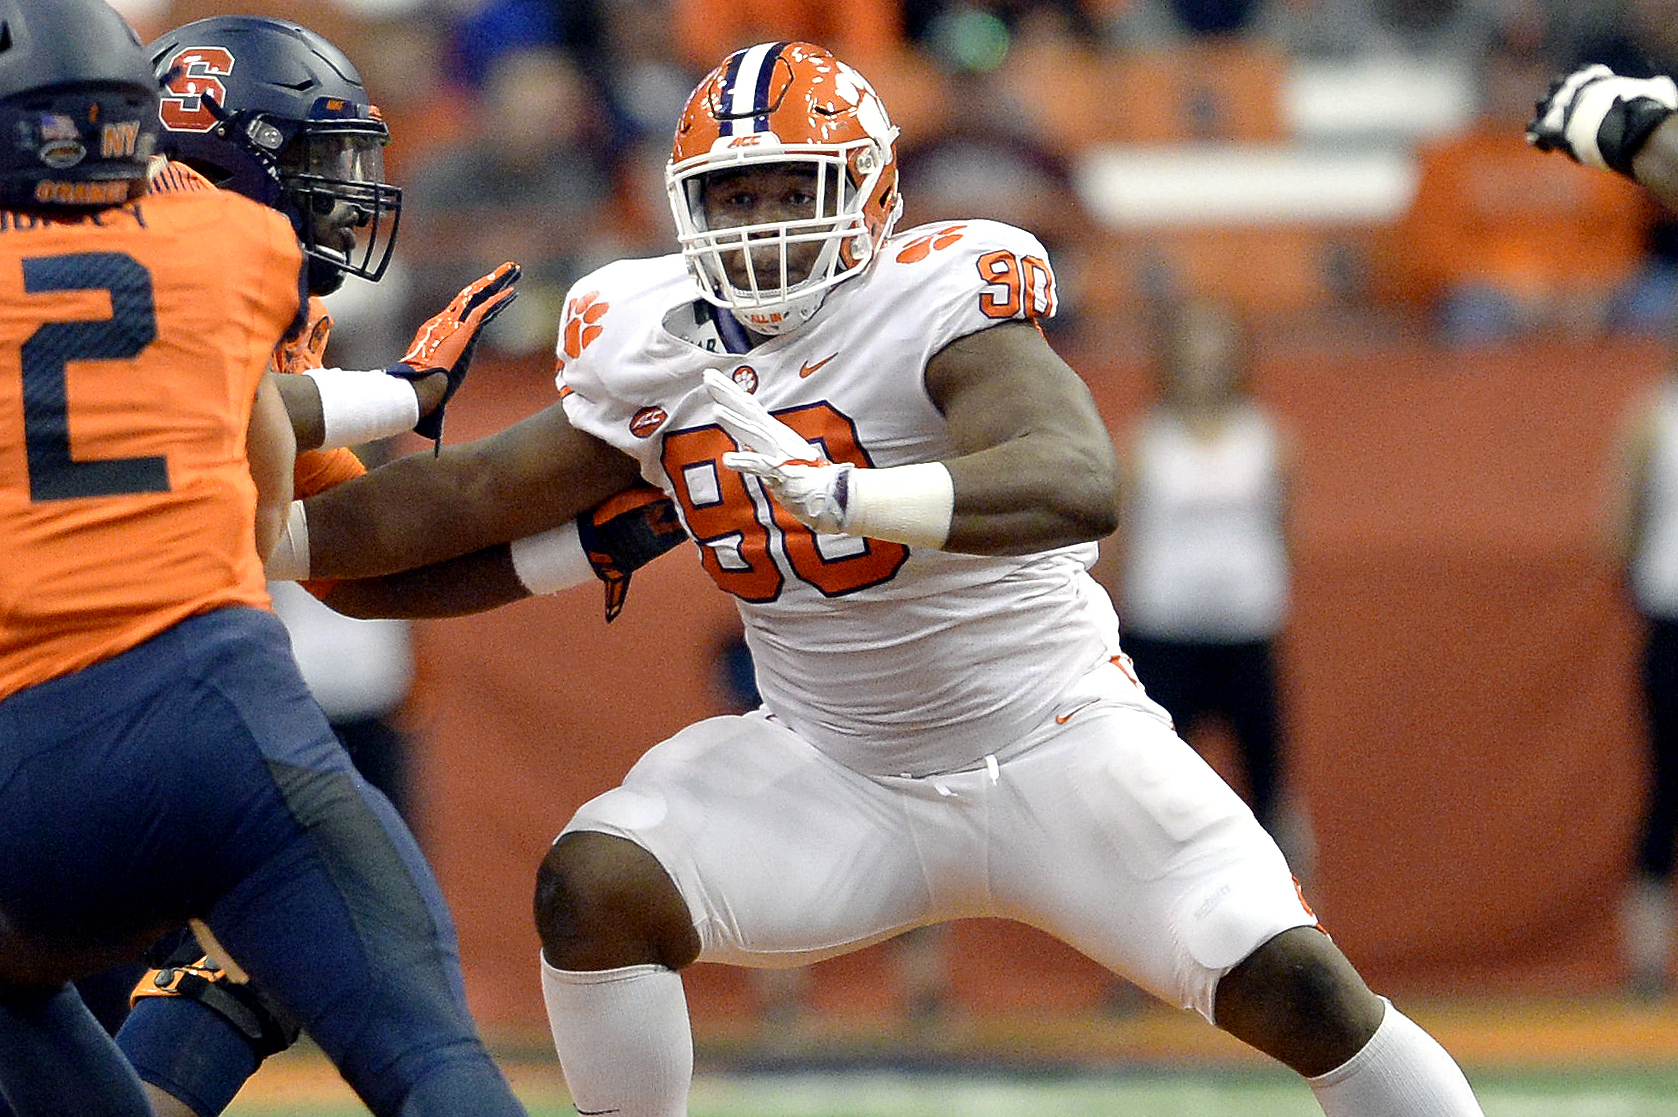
(362, 405)
(911, 504)
(552, 560)
(289, 561)
(1623, 132)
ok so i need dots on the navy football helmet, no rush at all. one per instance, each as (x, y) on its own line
(271, 110)
(78, 107)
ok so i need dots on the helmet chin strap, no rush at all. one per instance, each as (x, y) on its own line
(788, 319)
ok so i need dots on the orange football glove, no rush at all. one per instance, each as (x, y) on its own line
(308, 349)
(445, 343)
(623, 534)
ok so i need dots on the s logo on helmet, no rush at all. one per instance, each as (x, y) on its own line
(194, 73)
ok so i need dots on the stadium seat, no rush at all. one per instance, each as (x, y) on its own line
(1219, 91)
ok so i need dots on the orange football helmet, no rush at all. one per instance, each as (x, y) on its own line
(784, 104)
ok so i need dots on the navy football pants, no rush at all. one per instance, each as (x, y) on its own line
(194, 775)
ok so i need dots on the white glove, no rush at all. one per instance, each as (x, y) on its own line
(794, 471)
(1600, 118)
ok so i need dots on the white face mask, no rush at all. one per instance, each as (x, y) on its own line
(773, 267)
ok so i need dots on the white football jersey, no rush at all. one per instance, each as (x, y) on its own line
(894, 660)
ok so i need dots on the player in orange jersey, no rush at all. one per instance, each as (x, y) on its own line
(901, 484)
(161, 760)
(270, 109)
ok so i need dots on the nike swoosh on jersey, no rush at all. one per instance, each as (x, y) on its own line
(808, 367)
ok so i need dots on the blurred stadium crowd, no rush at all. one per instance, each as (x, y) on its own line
(1362, 147)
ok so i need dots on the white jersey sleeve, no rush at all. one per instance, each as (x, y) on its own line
(611, 340)
(891, 658)
(966, 276)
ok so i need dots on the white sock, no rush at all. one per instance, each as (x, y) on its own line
(624, 1043)
(1401, 1072)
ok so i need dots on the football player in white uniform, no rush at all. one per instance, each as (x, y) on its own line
(901, 484)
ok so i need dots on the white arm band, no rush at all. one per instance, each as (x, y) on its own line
(362, 405)
(289, 561)
(551, 561)
(545, 563)
(911, 504)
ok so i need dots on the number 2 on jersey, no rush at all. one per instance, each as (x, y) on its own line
(54, 474)
(736, 524)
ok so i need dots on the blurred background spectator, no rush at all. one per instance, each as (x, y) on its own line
(531, 180)
(976, 35)
(858, 31)
(1419, 30)
(1644, 539)
(1166, 21)
(975, 153)
(1498, 240)
(483, 33)
(1201, 563)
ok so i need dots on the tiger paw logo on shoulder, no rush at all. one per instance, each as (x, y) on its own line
(582, 323)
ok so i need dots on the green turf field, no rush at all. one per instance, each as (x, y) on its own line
(1125, 1094)
(1563, 1056)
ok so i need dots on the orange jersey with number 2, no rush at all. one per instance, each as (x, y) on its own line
(131, 347)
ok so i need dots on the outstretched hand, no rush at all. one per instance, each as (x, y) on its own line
(795, 471)
(446, 342)
(1599, 118)
(308, 349)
